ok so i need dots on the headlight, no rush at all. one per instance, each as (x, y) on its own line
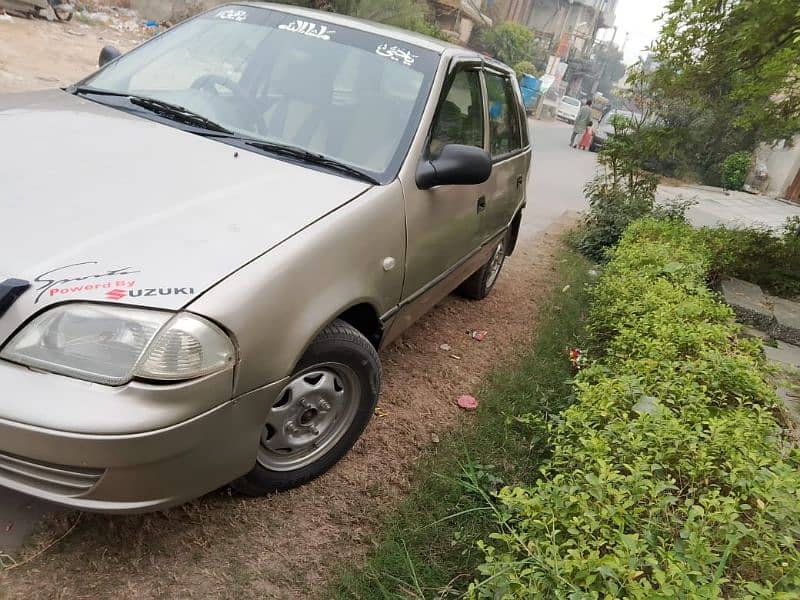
(114, 344)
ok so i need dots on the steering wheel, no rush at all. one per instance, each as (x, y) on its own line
(208, 83)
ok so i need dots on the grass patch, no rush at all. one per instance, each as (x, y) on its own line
(427, 548)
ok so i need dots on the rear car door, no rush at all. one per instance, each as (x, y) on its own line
(508, 146)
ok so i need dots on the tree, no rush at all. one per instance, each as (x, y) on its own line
(728, 77)
(413, 15)
(509, 42)
(606, 67)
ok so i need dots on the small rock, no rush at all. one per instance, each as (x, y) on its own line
(467, 402)
(445, 347)
(434, 438)
(4, 18)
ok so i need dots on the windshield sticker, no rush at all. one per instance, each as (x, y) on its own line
(67, 279)
(308, 28)
(396, 54)
(232, 14)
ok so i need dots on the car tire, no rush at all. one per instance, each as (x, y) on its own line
(319, 415)
(481, 282)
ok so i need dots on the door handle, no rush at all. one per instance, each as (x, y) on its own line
(481, 204)
(519, 180)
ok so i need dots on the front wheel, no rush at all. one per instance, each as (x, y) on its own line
(320, 413)
(480, 283)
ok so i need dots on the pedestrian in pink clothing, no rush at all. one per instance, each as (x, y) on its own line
(586, 140)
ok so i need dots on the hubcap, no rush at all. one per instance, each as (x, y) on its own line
(494, 266)
(311, 415)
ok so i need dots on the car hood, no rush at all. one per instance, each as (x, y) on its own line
(101, 205)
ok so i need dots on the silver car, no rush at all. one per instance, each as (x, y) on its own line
(206, 243)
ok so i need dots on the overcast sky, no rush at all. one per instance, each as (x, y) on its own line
(636, 18)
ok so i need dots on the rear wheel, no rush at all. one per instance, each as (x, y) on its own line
(320, 413)
(480, 283)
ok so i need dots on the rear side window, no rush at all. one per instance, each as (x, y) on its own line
(503, 116)
(460, 116)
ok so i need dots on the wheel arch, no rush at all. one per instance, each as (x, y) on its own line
(513, 232)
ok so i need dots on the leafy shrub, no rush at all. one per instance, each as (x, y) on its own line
(509, 42)
(524, 67)
(734, 170)
(762, 256)
(669, 477)
(622, 193)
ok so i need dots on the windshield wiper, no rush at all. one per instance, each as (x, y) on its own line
(161, 108)
(178, 113)
(311, 157)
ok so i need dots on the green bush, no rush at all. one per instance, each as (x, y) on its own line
(524, 67)
(508, 42)
(734, 170)
(669, 476)
(761, 256)
(620, 194)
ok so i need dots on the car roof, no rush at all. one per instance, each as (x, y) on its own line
(397, 33)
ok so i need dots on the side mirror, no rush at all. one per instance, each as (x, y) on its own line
(107, 54)
(456, 165)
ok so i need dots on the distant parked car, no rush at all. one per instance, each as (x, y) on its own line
(605, 128)
(206, 243)
(568, 109)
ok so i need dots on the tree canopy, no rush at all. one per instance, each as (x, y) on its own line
(509, 42)
(727, 79)
(744, 54)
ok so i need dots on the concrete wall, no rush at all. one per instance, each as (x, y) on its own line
(783, 164)
(171, 10)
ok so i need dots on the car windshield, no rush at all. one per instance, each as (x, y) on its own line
(571, 101)
(353, 96)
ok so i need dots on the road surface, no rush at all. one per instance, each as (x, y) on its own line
(555, 187)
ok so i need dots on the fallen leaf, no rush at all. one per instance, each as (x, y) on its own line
(379, 412)
(479, 335)
(566, 287)
(456, 356)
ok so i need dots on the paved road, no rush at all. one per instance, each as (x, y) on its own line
(714, 207)
(557, 177)
(556, 182)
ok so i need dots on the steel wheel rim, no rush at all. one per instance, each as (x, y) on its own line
(495, 264)
(310, 416)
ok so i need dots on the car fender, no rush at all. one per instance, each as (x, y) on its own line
(276, 305)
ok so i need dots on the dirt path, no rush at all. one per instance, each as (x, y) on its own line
(285, 545)
(36, 54)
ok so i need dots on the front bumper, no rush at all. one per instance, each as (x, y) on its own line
(128, 472)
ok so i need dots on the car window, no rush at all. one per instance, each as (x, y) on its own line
(352, 95)
(503, 118)
(571, 101)
(460, 116)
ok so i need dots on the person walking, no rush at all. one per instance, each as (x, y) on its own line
(586, 140)
(581, 122)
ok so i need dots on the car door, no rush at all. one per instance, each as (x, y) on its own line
(508, 146)
(444, 222)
